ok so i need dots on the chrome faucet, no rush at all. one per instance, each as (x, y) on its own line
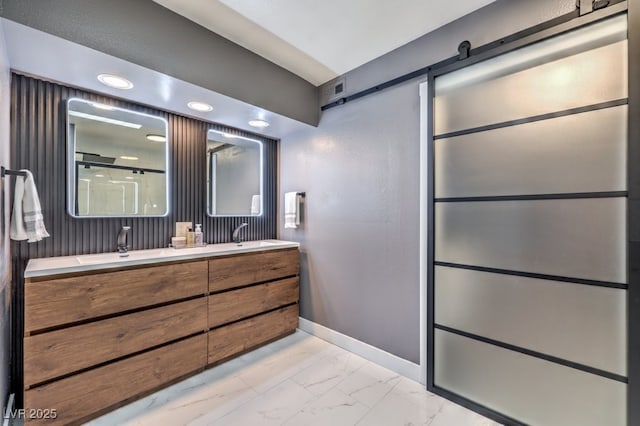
(122, 241)
(236, 232)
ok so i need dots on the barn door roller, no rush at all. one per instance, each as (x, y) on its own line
(588, 6)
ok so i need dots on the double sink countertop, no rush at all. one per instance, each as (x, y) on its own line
(92, 262)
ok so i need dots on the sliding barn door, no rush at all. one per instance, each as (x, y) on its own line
(530, 268)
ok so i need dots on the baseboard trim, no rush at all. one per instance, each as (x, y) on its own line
(9, 410)
(392, 362)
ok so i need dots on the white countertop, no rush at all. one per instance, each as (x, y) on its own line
(93, 262)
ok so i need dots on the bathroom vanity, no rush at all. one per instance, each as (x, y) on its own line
(101, 331)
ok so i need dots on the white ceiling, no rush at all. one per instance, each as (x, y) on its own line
(322, 39)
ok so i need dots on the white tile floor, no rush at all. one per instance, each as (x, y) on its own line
(298, 380)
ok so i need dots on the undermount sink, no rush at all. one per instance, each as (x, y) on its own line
(96, 259)
(265, 243)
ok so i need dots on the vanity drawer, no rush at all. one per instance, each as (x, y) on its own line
(54, 354)
(53, 302)
(237, 304)
(233, 339)
(85, 395)
(236, 271)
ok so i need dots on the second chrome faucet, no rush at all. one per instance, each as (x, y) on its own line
(236, 232)
(122, 241)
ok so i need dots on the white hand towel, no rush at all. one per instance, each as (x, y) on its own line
(27, 221)
(255, 204)
(291, 210)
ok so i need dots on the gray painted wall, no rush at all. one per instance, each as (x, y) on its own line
(360, 169)
(5, 263)
(147, 34)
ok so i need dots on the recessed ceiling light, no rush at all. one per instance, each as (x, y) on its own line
(115, 81)
(157, 138)
(258, 123)
(128, 177)
(99, 175)
(126, 157)
(199, 106)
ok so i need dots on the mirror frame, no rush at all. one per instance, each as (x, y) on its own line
(71, 169)
(208, 183)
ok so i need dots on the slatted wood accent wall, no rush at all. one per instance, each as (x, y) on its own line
(38, 135)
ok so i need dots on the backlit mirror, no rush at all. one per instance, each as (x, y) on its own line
(234, 175)
(117, 162)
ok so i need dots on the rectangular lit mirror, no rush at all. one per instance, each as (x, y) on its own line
(117, 162)
(234, 175)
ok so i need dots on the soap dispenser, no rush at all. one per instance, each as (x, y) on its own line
(191, 236)
(199, 239)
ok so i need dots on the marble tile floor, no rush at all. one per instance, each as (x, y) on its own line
(298, 380)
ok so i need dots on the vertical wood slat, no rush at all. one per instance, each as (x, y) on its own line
(38, 143)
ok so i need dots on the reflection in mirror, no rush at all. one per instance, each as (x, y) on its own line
(234, 175)
(117, 161)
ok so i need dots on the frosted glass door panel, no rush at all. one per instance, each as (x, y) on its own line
(548, 118)
(577, 153)
(541, 315)
(511, 87)
(532, 390)
(582, 238)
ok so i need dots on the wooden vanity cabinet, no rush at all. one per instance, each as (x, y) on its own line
(54, 302)
(227, 272)
(253, 300)
(96, 340)
(100, 338)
